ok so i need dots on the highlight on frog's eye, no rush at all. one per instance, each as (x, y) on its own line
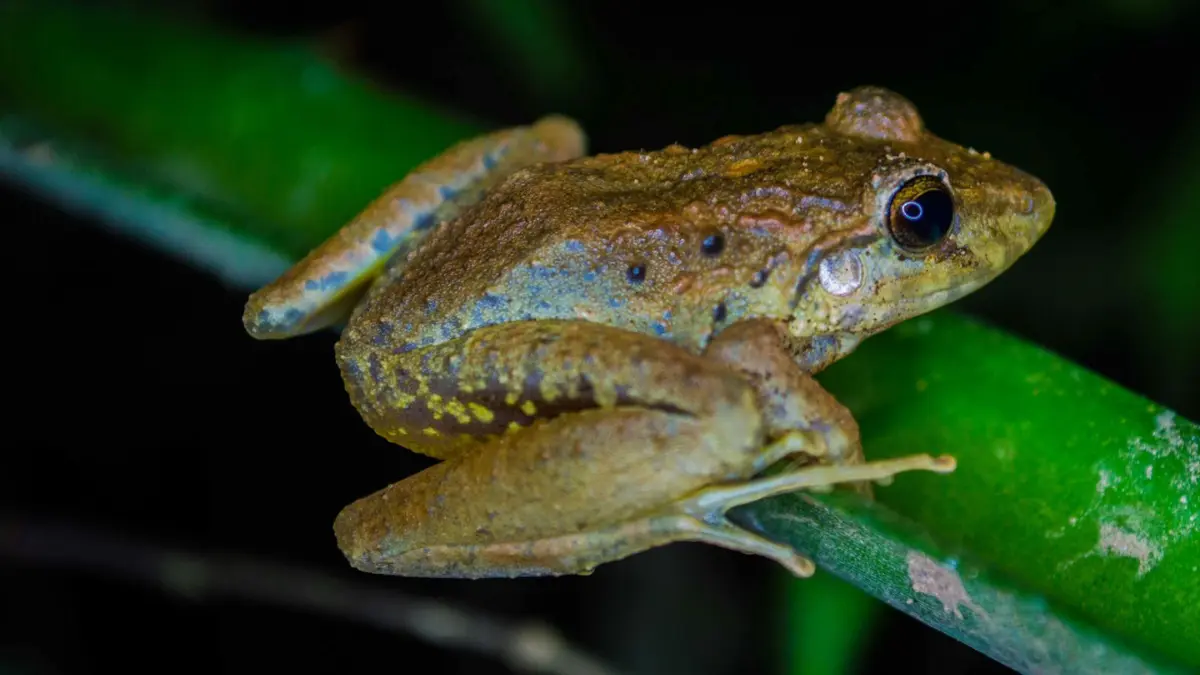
(921, 213)
(636, 273)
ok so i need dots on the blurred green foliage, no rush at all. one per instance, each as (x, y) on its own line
(260, 130)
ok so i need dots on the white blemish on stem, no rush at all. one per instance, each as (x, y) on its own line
(1115, 541)
(930, 578)
(1142, 508)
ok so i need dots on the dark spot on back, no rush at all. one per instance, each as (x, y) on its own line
(713, 244)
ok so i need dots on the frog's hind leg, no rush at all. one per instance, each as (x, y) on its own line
(412, 529)
(618, 437)
(322, 289)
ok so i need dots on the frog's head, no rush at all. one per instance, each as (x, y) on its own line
(937, 221)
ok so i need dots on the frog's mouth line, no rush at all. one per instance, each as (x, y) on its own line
(924, 303)
(946, 296)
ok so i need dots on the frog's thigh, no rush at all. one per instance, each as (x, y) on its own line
(322, 289)
(451, 397)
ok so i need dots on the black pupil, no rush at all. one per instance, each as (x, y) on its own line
(926, 218)
(637, 273)
(713, 244)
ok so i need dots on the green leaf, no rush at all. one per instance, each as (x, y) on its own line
(264, 135)
(1068, 537)
(1065, 541)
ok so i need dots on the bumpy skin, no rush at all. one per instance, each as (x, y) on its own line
(605, 351)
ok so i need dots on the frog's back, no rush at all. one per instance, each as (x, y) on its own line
(670, 242)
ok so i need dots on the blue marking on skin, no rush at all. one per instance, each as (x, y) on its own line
(491, 300)
(376, 368)
(430, 306)
(614, 302)
(660, 328)
(589, 276)
(543, 305)
(353, 370)
(406, 347)
(329, 282)
(292, 317)
(542, 273)
(447, 192)
(491, 159)
(573, 246)
(667, 315)
(382, 332)
(424, 221)
(383, 242)
(489, 303)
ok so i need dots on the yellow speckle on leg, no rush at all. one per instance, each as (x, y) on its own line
(430, 431)
(456, 408)
(511, 398)
(513, 426)
(529, 408)
(481, 413)
(434, 403)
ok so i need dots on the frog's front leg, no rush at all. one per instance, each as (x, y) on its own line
(790, 399)
(578, 444)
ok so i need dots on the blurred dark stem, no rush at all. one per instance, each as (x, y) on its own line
(528, 646)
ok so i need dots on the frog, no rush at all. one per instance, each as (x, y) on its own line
(608, 353)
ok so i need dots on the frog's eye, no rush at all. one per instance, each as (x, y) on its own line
(920, 213)
(636, 274)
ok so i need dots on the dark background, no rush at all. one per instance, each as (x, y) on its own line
(170, 410)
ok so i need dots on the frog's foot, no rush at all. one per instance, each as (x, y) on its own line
(727, 535)
(704, 513)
